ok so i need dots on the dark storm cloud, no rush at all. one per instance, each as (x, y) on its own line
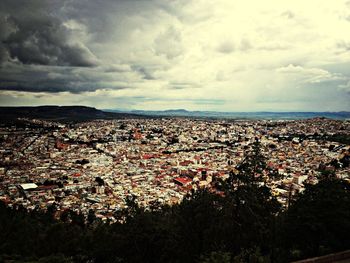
(33, 78)
(106, 16)
(43, 83)
(50, 46)
(31, 33)
(52, 87)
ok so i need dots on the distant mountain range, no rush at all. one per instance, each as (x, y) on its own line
(241, 115)
(82, 113)
(61, 113)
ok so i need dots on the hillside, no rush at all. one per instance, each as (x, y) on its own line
(60, 113)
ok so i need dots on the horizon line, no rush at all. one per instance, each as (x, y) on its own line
(177, 109)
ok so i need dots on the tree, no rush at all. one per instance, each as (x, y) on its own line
(216, 257)
(318, 222)
(91, 217)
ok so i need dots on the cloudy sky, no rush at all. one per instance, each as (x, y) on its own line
(225, 55)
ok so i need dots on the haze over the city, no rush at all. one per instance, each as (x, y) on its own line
(218, 55)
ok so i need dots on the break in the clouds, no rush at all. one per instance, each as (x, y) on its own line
(160, 54)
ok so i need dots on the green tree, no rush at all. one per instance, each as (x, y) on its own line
(318, 222)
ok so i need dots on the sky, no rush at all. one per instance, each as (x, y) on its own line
(222, 55)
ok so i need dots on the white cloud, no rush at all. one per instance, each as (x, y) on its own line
(309, 75)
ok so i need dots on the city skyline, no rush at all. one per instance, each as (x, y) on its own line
(194, 55)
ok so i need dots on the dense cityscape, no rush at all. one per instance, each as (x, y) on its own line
(96, 166)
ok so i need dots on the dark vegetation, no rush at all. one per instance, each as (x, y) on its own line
(240, 222)
(340, 138)
(60, 113)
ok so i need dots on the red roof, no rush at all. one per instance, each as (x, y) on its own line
(183, 180)
(148, 156)
(185, 163)
(220, 173)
